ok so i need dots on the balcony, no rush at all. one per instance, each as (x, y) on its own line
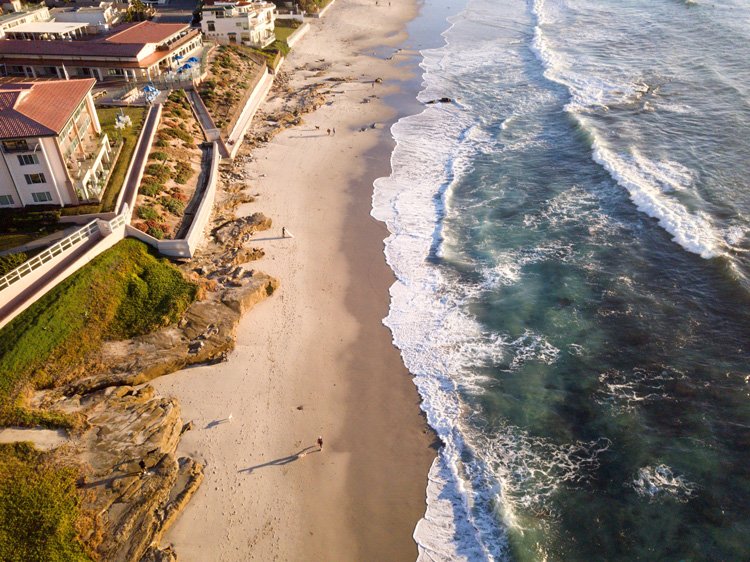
(90, 163)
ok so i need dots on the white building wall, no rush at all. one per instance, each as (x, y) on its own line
(248, 26)
(19, 172)
(7, 187)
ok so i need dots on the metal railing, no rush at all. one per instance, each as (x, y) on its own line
(79, 236)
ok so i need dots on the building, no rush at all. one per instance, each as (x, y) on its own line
(47, 31)
(137, 51)
(52, 149)
(14, 19)
(247, 23)
(99, 19)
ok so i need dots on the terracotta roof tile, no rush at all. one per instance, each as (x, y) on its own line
(36, 109)
(145, 32)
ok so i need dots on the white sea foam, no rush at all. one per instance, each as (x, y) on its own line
(649, 183)
(657, 483)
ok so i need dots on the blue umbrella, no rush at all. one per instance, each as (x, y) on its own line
(177, 57)
(193, 60)
(186, 67)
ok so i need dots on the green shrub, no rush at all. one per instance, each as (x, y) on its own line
(39, 507)
(161, 172)
(183, 172)
(173, 205)
(11, 261)
(146, 212)
(150, 186)
(155, 231)
(159, 155)
(161, 143)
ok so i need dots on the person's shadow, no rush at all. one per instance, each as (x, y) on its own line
(283, 460)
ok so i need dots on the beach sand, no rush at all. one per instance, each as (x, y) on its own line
(315, 358)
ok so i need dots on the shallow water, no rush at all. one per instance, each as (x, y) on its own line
(570, 240)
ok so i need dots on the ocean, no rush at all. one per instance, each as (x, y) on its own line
(570, 238)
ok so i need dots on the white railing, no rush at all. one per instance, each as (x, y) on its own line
(79, 236)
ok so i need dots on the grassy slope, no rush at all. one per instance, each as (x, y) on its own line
(124, 292)
(39, 508)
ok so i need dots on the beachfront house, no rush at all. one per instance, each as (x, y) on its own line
(52, 149)
(246, 23)
(132, 52)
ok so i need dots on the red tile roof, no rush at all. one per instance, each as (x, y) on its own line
(145, 32)
(85, 49)
(39, 109)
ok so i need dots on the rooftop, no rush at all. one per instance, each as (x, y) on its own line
(53, 27)
(39, 109)
(146, 32)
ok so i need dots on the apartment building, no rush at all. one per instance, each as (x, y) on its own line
(246, 23)
(52, 149)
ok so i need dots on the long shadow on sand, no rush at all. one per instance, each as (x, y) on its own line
(283, 460)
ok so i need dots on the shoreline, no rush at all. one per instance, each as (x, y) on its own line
(315, 359)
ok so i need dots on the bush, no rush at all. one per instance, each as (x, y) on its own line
(39, 507)
(11, 261)
(161, 143)
(155, 231)
(150, 186)
(159, 155)
(173, 205)
(148, 213)
(162, 172)
(183, 172)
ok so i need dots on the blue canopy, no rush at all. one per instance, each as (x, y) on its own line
(177, 57)
(186, 67)
(193, 60)
(149, 88)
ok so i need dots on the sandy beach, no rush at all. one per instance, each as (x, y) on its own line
(315, 359)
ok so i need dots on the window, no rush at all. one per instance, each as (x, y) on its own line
(41, 197)
(28, 159)
(35, 178)
(6, 200)
(211, 26)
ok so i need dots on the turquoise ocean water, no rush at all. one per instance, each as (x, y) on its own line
(570, 238)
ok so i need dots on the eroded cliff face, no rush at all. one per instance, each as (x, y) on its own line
(134, 484)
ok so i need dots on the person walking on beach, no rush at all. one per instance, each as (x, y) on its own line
(333, 131)
(328, 131)
(283, 232)
(320, 442)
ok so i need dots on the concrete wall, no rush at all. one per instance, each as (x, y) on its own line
(186, 247)
(297, 35)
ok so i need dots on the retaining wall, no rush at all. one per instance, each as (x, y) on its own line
(298, 34)
(185, 248)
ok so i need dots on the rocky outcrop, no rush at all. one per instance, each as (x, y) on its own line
(133, 483)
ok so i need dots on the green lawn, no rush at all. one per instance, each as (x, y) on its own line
(283, 33)
(124, 292)
(129, 135)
